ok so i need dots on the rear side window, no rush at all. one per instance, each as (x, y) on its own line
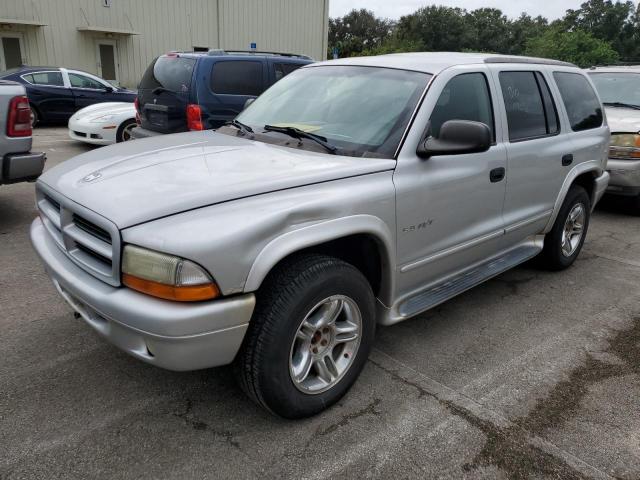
(237, 78)
(581, 102)
(284, 69)
(531, 112)
(171, 72)
(465, 97)
(45, 78)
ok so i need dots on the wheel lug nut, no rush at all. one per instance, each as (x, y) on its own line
(323, 343)
(325, 330)
(315, 350)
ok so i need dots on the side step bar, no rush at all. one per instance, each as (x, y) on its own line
(444, 291)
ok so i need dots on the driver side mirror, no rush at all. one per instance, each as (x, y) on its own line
(457, 137)
(108, 89)
(248, 102)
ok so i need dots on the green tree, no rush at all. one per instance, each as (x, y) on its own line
(358, 30)
(577, 47)
(437, 28)
(523, 29)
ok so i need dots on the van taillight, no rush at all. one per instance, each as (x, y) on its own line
(19, 118)
(194, 117)
(136, 104)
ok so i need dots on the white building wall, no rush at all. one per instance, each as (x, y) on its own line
(297, 26)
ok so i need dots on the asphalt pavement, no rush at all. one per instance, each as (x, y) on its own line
(531, 375)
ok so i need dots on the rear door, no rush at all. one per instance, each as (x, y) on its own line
(232, 82)
(164, 93)
(49, 94)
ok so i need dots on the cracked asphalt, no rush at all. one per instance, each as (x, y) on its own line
(532, 375)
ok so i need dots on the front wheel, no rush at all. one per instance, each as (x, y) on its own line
(124, 131)
(309, 337)
(563, 243)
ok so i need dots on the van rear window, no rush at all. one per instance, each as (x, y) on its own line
(171, 72)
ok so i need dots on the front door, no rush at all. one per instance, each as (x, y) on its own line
(108, 60)
(449, 207)
(11, 51)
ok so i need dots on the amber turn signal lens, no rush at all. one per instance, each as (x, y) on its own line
(185, 293)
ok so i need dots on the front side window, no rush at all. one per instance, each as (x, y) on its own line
(284, 69)
(82, 81)
(237, 78)
(45, 78)
(531, 112)
(581, 102)
(618, 88)
(363, 111)
(465, 97)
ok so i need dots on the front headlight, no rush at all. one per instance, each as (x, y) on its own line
(103, 118)
(166, 276)
(625, 146)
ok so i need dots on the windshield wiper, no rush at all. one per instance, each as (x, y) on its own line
(245, 129)
(159, 90)
(621, 105)
(298, 133)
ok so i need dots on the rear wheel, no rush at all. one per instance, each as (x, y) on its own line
(309, 337)
(34, 116)
(124, 130)
(563, 243)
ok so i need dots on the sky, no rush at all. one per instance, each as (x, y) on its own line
(550, 9)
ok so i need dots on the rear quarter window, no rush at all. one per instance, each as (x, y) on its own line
(239, 77)
(580, 100)
(171, 72)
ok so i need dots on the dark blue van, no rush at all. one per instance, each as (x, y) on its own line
(196, 91)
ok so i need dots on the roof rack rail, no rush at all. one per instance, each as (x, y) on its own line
(218, 51)
(532, 60)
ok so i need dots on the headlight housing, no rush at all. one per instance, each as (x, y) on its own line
(166, 276)
(103, 118)
(625, 146)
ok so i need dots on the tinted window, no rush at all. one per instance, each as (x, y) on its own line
(284, 69)
(171, 72)
(523, 102)
(466, 97)
(45, 78)
(550, 110)
(581, 102)
(237, 78)
(82, 81)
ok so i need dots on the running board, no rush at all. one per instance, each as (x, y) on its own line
(449, 289)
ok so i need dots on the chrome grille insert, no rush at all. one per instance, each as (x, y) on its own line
(91, 241)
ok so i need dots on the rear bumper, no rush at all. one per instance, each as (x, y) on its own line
(21, 167)
(171, 335)
(625, 177)
(140, 132)
(601, 184)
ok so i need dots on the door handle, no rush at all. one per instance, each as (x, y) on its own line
(567, 160)
(497, 174)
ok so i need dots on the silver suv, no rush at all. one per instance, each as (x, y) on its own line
(352, 193)
(619, 89)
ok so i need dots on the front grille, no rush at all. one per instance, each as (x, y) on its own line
(90, 240)
(80, 134)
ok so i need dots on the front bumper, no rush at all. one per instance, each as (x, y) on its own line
(91, 132)
(625, 177)
(21, 167)
(171, 335)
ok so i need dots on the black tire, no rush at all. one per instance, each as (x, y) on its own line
(635, 206)
(288, 294)
(121, 135)
(552, 256)
(35, 118)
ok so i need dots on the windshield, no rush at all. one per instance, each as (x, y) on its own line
(361, 110)
(618, 87)
(169, 72)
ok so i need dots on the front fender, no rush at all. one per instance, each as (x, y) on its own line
(319, 233)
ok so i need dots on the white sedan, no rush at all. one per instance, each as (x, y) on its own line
(103, 123)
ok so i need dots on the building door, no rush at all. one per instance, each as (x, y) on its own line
(11, 51)
(108, 60)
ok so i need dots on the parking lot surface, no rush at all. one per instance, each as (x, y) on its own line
(531, 375)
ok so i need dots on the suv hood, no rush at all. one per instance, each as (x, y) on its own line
(623, 120)
(142, 180)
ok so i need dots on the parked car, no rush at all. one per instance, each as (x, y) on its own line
(352, 193)
(57, 93)
(619, 89)
(196, 91)
(103, 123)
(17, 162)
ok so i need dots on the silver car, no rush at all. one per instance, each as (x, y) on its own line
(619, 89)
(352, 193)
